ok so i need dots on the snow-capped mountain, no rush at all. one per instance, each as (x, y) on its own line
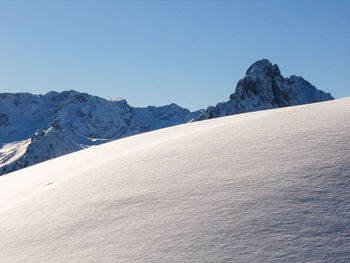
(263, 87)
(35, 128)
(165, 116)
(266, 186)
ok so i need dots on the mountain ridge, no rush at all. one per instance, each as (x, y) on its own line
(59, 123)
(263, 87)
(35, 128)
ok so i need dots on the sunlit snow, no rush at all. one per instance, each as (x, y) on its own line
(268, 186)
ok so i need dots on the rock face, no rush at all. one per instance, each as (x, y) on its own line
(263, 87)
(35, 128)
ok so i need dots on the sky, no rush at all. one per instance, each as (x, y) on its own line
(158, 52)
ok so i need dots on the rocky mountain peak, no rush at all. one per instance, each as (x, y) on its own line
(263, 87)
(263, 67)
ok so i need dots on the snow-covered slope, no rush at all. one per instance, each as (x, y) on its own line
(35, 128)
(267, 186)
(263, 87)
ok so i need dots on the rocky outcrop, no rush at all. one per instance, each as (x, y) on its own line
(263, 87)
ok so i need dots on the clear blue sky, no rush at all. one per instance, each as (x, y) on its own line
(157, 52)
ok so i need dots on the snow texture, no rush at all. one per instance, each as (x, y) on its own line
(267, 186)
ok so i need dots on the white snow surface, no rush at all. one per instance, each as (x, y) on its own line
(11, 152)
(267, 186)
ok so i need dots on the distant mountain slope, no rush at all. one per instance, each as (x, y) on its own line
(267, 186)
(35, 128)
(263, 87)
(165, 116)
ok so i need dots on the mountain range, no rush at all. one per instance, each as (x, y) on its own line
(36, 128)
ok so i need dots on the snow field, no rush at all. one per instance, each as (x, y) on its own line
(268, 186)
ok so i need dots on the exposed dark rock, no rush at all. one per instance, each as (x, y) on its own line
(263, 87)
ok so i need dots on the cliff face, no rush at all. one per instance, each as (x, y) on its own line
(263, 87)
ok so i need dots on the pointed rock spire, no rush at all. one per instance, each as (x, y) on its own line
(263, 87)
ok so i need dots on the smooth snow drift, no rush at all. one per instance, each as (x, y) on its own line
(269, 186)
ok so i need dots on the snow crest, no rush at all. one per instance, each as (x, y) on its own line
(267, 186)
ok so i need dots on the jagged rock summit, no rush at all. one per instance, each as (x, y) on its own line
(263, 87)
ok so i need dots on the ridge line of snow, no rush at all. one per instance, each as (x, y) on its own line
(220, 122)
(270, 188)
(91, 165)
